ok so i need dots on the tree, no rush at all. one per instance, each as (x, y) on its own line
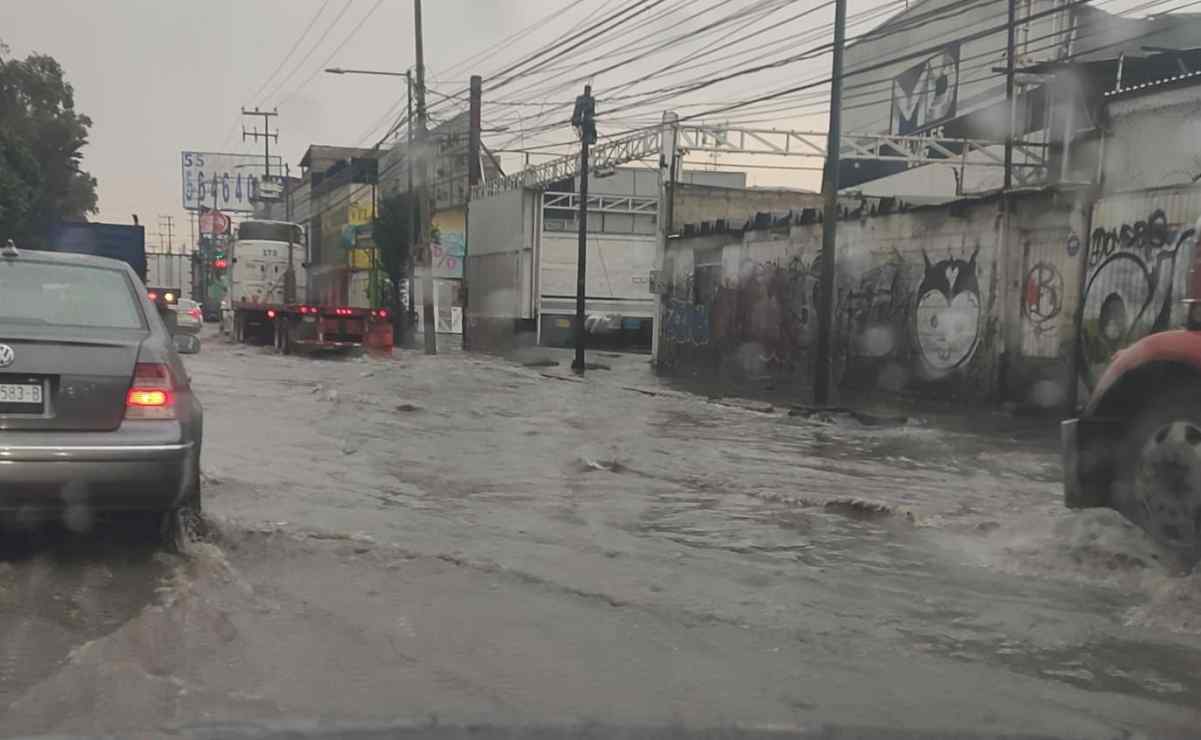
(393, 234)
(41, 147)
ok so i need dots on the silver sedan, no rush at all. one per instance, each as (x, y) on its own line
(190, 319)
(96, 413)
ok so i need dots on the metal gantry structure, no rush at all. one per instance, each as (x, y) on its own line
(630, 205)
(914, 151)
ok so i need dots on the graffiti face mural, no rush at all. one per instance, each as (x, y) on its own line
(947, 315)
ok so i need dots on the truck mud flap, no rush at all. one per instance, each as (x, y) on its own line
(1089, 449)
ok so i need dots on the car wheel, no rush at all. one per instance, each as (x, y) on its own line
(1158, 485)
(184, 522)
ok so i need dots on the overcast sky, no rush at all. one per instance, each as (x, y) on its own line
(162, 76)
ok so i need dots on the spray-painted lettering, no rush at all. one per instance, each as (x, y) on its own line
(1136, 274)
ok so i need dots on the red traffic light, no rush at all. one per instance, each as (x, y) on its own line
(220, 264)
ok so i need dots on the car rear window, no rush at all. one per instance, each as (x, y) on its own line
(66, 295)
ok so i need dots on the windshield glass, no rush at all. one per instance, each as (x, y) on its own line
(269, 231)
(66, 295)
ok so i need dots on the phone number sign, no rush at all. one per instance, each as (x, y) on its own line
(226, 182)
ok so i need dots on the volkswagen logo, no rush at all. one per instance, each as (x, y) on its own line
(6, 355)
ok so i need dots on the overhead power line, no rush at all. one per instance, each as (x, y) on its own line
(312, 48)
(295, 45)
(317, 70)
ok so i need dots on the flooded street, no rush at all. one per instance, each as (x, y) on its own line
(471, 539)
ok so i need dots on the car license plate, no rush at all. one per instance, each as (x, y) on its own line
(13, 394)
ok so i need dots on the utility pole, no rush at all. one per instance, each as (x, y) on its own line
(266, 135)
(825, 327)
(426, 209)
(669, 149)
(1006, 199)
(583, 118)
(415, 216)
(1010, 67)
(290, 274)
(474, 175)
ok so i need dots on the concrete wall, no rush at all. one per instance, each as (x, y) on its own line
(920, 301)
(1153, 140)
(694, 204)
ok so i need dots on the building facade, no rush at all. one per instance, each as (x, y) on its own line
(449, 175)
(936, 72)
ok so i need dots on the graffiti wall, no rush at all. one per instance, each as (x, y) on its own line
(745, 308)
(1139, 251)
(926, 304)
(914, 293)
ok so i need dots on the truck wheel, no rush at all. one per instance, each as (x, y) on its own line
(1158, 482)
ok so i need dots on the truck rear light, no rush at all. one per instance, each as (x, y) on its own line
(380, 314)
(152, 394)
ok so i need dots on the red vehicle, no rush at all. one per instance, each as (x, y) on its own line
(266, 273)
(1136, 447)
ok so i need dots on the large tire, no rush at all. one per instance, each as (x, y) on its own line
(1158, 481)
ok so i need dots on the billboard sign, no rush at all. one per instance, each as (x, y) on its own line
(234, 180)
(214, 223)
(926, 94)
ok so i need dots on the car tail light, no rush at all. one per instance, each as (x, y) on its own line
(152, 395)
(152, 296)
(270, 313)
